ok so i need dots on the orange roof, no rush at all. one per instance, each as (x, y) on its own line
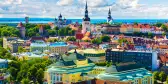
(86, 38)
(87, 34)
(163, 46)
(135, 26)
(73, 27)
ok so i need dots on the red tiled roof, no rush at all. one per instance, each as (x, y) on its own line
(164, 58)
(135, 26)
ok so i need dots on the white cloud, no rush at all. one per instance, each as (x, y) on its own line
(75, 8)
(96, 3)
(65, 2)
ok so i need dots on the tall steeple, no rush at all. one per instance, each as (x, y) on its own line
(109, 13)
(86, 18)
(109, 18)
(86, 6)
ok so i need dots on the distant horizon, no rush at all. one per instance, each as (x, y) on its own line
(90, 18)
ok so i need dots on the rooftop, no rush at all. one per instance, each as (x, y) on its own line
(38, 43)
(89, 51)
(58, 44)
(143, 51)
(125, 75)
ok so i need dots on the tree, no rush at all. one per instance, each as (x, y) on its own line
(163, 34)
(1, 42)
(47, 26)
(150, 35)
(158, 24)
(167, 80)
(30, 32)
(162, 76)
(135, 23)
(21, 49)
(56, 28)
(40, 75)
(156, 75)
(164, 27)
(109, 64)
(13, 72)
(96, 41)
(52, 40)
(51, 32)
(71, 38)
(105, 39)
(25, 81)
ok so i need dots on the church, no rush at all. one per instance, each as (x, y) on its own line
(60, 22)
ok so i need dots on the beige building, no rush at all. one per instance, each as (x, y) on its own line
(12, 43)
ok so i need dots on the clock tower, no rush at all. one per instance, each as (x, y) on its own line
(86, 21)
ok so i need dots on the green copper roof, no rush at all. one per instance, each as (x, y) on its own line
(67, 64)
(73, 56)
(125, 75)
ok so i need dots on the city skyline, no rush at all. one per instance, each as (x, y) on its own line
(98, 9)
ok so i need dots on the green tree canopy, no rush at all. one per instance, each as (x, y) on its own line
(25, 81)
(156, 75)
(162, 76)
(96, 41)
(164, 27)
(51, 32)
(158, 24)
(105, 39)
(71, 38)
(21, 49)
(28, 70)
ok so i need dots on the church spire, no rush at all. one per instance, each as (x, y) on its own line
(109, 18)
(86, 18)
(109, 12)
(86, 6)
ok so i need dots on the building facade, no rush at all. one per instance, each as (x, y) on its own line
(75, 69)
(12, 43)
(58, 47)
(95, 55)
(70, 68)
(110, 29)
(133, 76)
(147, 58)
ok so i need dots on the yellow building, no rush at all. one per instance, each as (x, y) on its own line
(72, 68)
(95, 55)
(127, 28)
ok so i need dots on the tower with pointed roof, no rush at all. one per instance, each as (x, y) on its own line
(86, 21)
(21, 29)
(109, 18)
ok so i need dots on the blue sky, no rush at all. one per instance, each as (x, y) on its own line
(146, 9)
